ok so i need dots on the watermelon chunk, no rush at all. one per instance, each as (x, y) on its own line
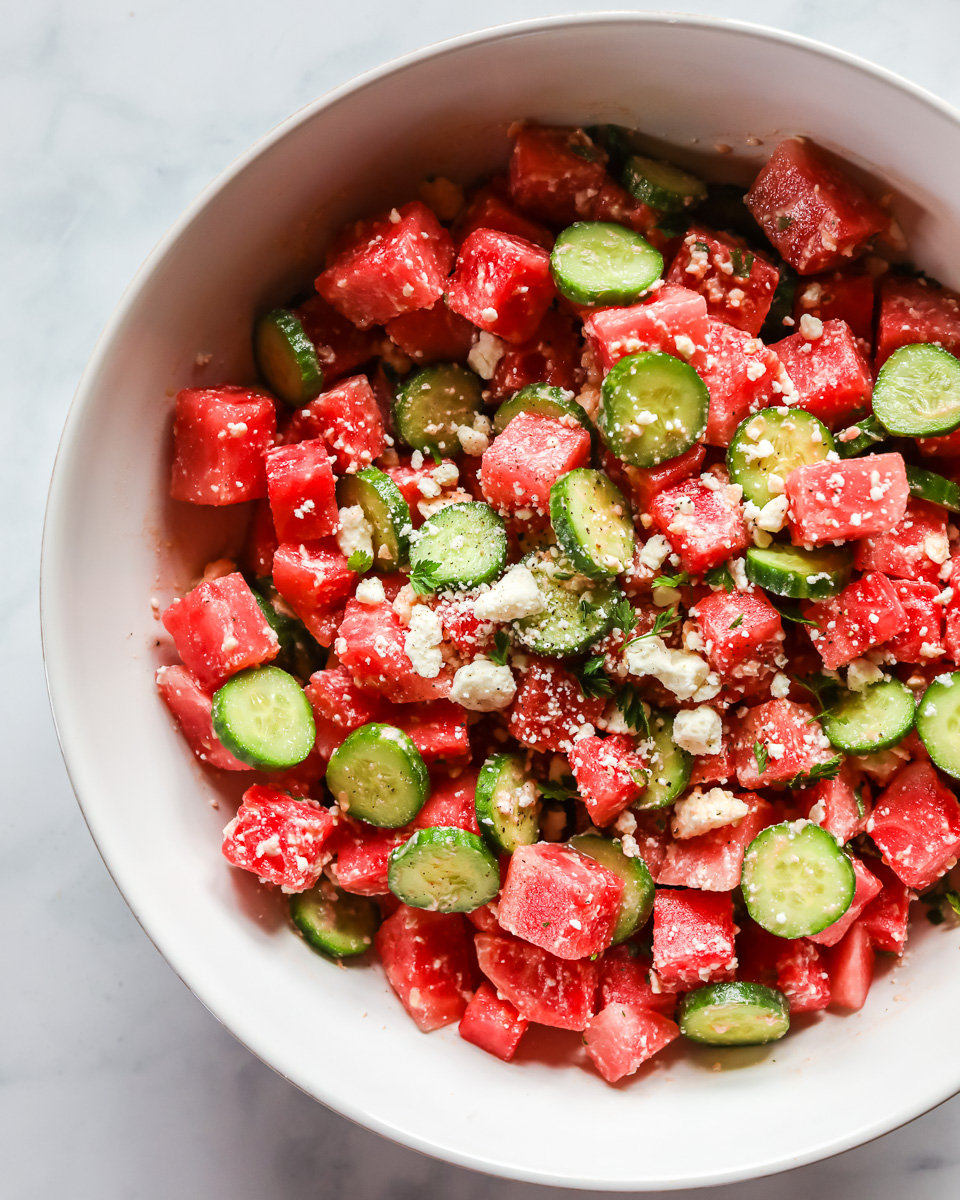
(555, 173)
(866, 613)
(543, 988)
(802, 977)
(560, 900)
(811, 210)
(363, 857)
(742, 376)
(220, 435)
(492, 1024)
(341, 347)
(712, 861)
(219, 629)
(850, 966)
(190, 705)
(915, 548)
(261, 542)
(451, 801)
(434, 334)
(488, 209)
(610, 775)
(314, 579)
(347, 417)
(643, 483)
(339, 707)
(867, 888)
(737, 284)
(278, 839)
(832, 804)
(838, 296)
(841, 501)
(521, 464)
(711, 533)
(739, 630)
(921, 639)
(552, 356)
(693, 938)
(614, 204)
(301, 486)
(438, 730)
(915, 310)
(885, 917)
(673, 320)
(550, 707)
(916, 826)
(621, 1037)
(427, 960)
(502, 284)
(792, 737)
(830, 373)
(625, 979)
(370, 644)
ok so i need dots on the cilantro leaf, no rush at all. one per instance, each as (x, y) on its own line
(673, 581)
(624, 616)
(593, 682)
(360, 561)
(736, 622)
(633, 709)
(720, 577)
(761, 754)
(501, 648)
(423, 577)
(665, 618)
(825, 770)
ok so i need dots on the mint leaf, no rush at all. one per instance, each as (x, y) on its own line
(673, 581)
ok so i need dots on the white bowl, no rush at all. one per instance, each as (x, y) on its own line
(694, 1117)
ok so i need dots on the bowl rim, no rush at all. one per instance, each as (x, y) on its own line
(67, 727)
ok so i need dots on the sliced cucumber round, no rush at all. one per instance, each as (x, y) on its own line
(461, 546)
(636, 904)
(263, 718)
(286, 358)
(578, 612)
(300, 653)
(796, 573)
(432, 405)
(543, 401)
(917, 393)
(592, 522)
(773, 328)
(795, 437)
(869, 433)
(507, 803)
(734, 1014)
(796, 879)
(335, 922)
(443, 869)
(874, 719)
(662, 185)
(670, 765)
(378, 775)
(598, 263)
(653, 407)
(938, 722)
(929, 486)
(386, 510)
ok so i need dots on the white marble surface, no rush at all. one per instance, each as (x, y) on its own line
(114, 1081)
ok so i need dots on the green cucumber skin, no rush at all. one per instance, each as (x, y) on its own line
(638, 890)
(458, 395)
(938, 722)
(386, 510)
(903, 415)
(566, 513)
(482, 556)
(563, 630)
(621, 403)
(676, 767)
(225, 718)
(364, 745)
(820, 582)
(492, 823)
(752, 477)
(771, 1007)
(598, 248)
(886, 731)
(337, 940)
(281, 330)
(439, 840)
(542, 400)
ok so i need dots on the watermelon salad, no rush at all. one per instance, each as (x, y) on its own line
(594, 650)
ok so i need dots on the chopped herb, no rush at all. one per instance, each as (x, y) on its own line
(423, 577)
(825, 770)
(624, 616)
(823, 688)
(665, 618)
(790, 612)
(590, 153)
(720, 577)
(592, 680)
(633, 709)
(360, 561)
(501, 648)
(701, 246)
(953, 899)
(738, 621)
(784, 222)
(562, 789)
(861, 807)
(673, 581)
(761, 754)
(437, 460)
(742, 263)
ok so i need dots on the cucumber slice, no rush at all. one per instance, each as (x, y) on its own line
(869, 433)
(300, 654)
(286, 358)
(263, 718)
(796, 879)
(938, 722)
(917, 393)
(797, 438)
(385, 508)
(929, 486)
(592, 522)
(773, 328)
(378, 775)
(618, 141)
(874, 719)
(543, 401)
(507, 803)
(444, 869)
(466, 545)
(670, 765)
(734, 1014)
(579, 611)
(653, 407)
(661, 185)
(636, 903)
(334, 921)
(796, 573)
(597, 263)
(432, 405)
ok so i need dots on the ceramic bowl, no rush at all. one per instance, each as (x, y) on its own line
(113, 542)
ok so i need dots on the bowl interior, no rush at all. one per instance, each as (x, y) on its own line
(113, 543)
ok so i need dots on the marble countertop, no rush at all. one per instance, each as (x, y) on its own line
(116, 1082)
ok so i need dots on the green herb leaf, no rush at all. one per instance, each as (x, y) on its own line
(720, 577)
(624, 616)
(790, 612)
(633, 709)
(784, 222)
(861, 807)
(360, 561)
(592, 680)
(501, 648)
(736, 622)
(423, 577)
(953, 900)
(673, 581)
(742, 263)
(761, 754)
(823, 688)
(562, 789)
(825, 770)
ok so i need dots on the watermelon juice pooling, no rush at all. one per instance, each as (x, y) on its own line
(594, 647)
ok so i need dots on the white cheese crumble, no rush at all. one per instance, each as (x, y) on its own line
(422, 642)
(654, 552)
(355, 533)
(513, 596)
(370, 591)
(483, 686)
(861, 673)
(780, 686)
(698, 730)
(681, 672)
(810, 327)
(699, 812)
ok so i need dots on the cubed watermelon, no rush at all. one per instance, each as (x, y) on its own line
(438, 730)
(261, 542)
(489, 209)
(712, 860)
(502, 284)
(314, 579)
(543, 988)
(916, 310)
(553, 356)
(885, 917)
(363, 856)
(840, 296)
(866, 613)
(341, 347)
(790, 734)
(841, 501)
(837, 805)
(850, 966)
(742, 376)
(434, 334)
(641, 484)
(737, 284)
(427, 960)
(829, 371)
(867, 889)
(625, 979)
(614, 204)
(451, 799)
(811, 210)
(921, 639)
(370, 645)
(704, 524)
(739, 630)
(621, 1037)
(347, 417)
(339, 707)
(220, 435)
(278, 839)
(550, 707)
(560, 900)
(802, 977)
(522, 464)
(301, 486)
(191, 705)
(916, 826)
(673, 319)
(555, 173)
(610, 775)
(693, 938)
(219, 629)
(492, 1024)
(915, 548)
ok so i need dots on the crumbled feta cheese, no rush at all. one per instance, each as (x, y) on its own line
(678, 670)
(355, 533)
(513, 596)
(472, 440)
(810, 327)
(780, 686)
(762, 449)
(447, 474)
(422, 642)
(485, 354)
(698, 812)
(936, 547)
(483, 686)
(698, 730)
(861, 673)
(370, 591)
(654, 552)
(685, 345)
(772, 517)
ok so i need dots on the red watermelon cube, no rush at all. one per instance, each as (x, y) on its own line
(552, 356)
(693, 938)
(625, 979)
(915, 548)
(916, 826)
(220, 435)
(703, 522)
(838, 296)
(738, 628)
(550, 707)
(492, 1024)
(555, 173)
(434, 334)
(610, 775)
(614, 204)
(791, 736)
(850, 966)
(866, 613)
(885, 917)
(341, 347)
(621, 1037)
(502, 284)
(641, 484)
(363, 856)
(737, 284)
(451, 800)
(427, 960)
(830, 373)
(314, 579)
(278, 839)
(301, 486)
(348, 419)
(712, 861)
(261, 542)
(867, 889)
(370, 645)
(742, 376)
(842, 501)
(811, 210)
(438, 730)
(802, 977)
(833, 804)
(543, 988)
(191, 705)
(339, 707)
(523, 463)
(560, 900)
(488, 209)
(219, 629)
(673, 320)
(921, 639)
(916, 310)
